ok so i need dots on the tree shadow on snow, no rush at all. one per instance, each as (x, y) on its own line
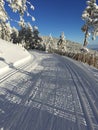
(14, 116)
(39, 102)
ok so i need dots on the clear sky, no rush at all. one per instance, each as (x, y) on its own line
(57, 16)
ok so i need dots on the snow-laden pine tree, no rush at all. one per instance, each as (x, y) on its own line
(90, 16)
(50, 44)
(3, 13)
(3, 18)
(20, 6)
(15, 35)
(8, 31)
(25, 36)
(36, 38)
(61, 42)
(5, 31)
(28, 36)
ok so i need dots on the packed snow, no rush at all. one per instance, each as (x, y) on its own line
(49, 92)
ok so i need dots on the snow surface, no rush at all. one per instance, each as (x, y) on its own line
(49, 93)
(11, 55)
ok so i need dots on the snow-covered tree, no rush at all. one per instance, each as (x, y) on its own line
(61, 42)
(17, 6)
(3, 18)
(21, 7)
(36, 38)
(90, 16)
(50, 40)
(3, 13)
(14, 35)
(8, 31)
(5, 31)
(26, 34)
(50, 44)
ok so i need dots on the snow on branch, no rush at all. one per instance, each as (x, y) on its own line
(21, 7)
(31, 6)
(90, 16)
(3, 13)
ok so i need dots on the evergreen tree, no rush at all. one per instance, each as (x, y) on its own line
(21, 7)
(17, 6)
(3, 18)
(36, 39)
(50, 44)
(15, 35)
(28, 36)
(90, 16)
(61, 42)
(3, 13)
(6, 30)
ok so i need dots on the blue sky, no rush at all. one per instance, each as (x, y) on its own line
(57, 16)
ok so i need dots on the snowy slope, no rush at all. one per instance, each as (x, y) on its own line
(11, 54)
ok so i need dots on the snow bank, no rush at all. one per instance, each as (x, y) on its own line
(11, 54)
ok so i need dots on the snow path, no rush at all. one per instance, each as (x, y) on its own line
(49, 93)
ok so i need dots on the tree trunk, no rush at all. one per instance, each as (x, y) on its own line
(85, 39)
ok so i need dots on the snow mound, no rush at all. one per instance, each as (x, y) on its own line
(12, 54)
(84, 49)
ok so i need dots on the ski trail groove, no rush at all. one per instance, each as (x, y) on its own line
(89, 120)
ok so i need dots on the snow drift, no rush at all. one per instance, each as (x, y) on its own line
(11, 54)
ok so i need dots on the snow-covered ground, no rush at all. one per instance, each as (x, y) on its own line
(11, 55)
(49, 93)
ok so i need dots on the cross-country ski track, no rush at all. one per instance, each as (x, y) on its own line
(50, 92)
